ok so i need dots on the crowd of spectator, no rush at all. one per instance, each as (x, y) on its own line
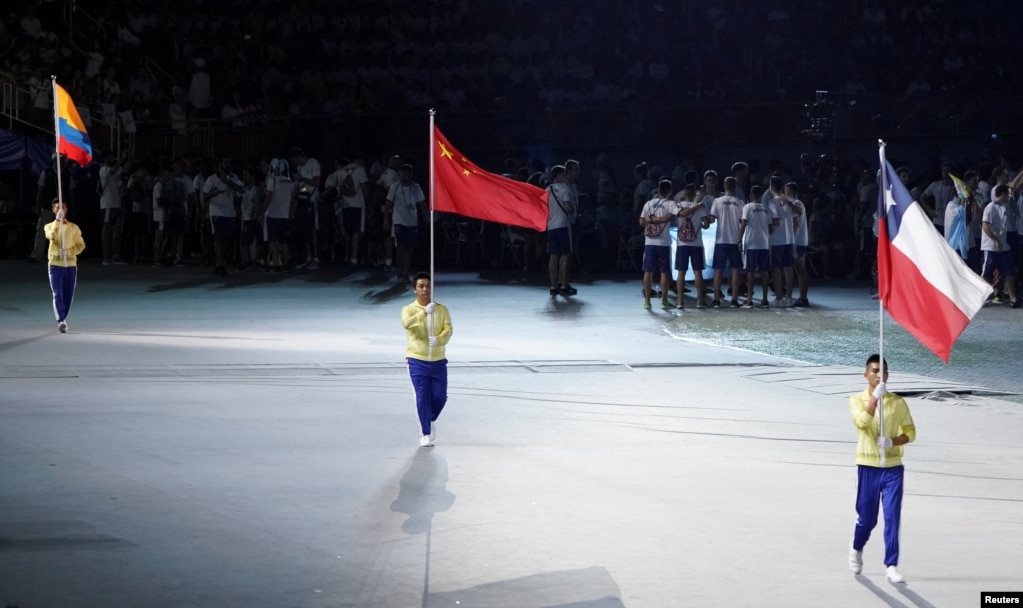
(238, 61)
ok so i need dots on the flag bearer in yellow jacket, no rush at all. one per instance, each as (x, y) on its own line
(879, 480)
(66, 243)
(428, 329)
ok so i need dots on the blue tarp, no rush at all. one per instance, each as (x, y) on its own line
(14, 149)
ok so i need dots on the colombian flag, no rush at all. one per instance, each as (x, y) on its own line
(72, 139)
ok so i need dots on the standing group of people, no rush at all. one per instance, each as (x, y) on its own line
(759, 233)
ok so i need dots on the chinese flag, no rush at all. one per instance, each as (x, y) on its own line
(459, 186)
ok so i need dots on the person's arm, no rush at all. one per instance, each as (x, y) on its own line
(862, 413)
(989, 231)
(77, 244)
(413, 317)
(742, 231)
(443, 318)
(906, 425)
(52, 231)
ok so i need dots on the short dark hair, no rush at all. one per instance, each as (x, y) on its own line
(556, 171)
(876, 358)
(739, 166)
(665, 187)
(422, 275)
(1001, 189)
(777, 183)
(792, 186)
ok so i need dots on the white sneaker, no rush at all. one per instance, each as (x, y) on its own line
(424, 441)
(433, 432)
(893, 575)
(62, 327)
(855, 560)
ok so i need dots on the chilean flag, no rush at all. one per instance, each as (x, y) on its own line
(921, 280)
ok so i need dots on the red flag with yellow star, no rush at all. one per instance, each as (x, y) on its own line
(461, 187)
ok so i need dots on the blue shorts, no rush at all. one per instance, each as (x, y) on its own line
(307, 216)
(657, 258)
(406, 237)
(757, 260)
(351, 220)
(687, 254)
(559, 241)
(726, 254)
(800, 251)
(781, 256)
(997, 260)
(222, 226)
(275, 230)
(111, 215)
(250, 228)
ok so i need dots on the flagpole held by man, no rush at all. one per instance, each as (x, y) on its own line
(72, 141)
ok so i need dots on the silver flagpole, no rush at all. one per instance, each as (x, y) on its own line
(880, 300)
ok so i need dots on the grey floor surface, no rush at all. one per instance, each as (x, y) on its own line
(252, 442)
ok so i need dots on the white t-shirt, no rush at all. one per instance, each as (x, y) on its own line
(185, 186)
(758, 220)
(387, 179)
(994, 214)
(110, 184)
(221, 196)
(802, 235)
(157, 209)
(782, 235)
(658, 208)
(310, 169)
(358, 173)
(281, 189)
(728, 211)
(406, 199)
(697, 219)
(556, 216)
(942, 193)
(250, 202)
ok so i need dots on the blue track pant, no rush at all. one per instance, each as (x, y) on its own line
(430, 381)
(62, 284)
(884, 486)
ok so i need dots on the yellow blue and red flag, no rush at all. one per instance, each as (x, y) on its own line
(72, 138)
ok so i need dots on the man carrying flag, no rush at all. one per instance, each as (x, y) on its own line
(879, 465)
(65, 238)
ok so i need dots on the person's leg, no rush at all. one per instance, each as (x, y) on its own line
(419, 373)
(438, 388)
(891, 499)
(57, 289)
(107, 239)
(735, 282)
(564, 266)
(553, 271)
(115, 238)
(802, 277)
(69, 279)
(648, 280)
(158, 245)
(788, 286)
(868, 494)
(665, 273)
